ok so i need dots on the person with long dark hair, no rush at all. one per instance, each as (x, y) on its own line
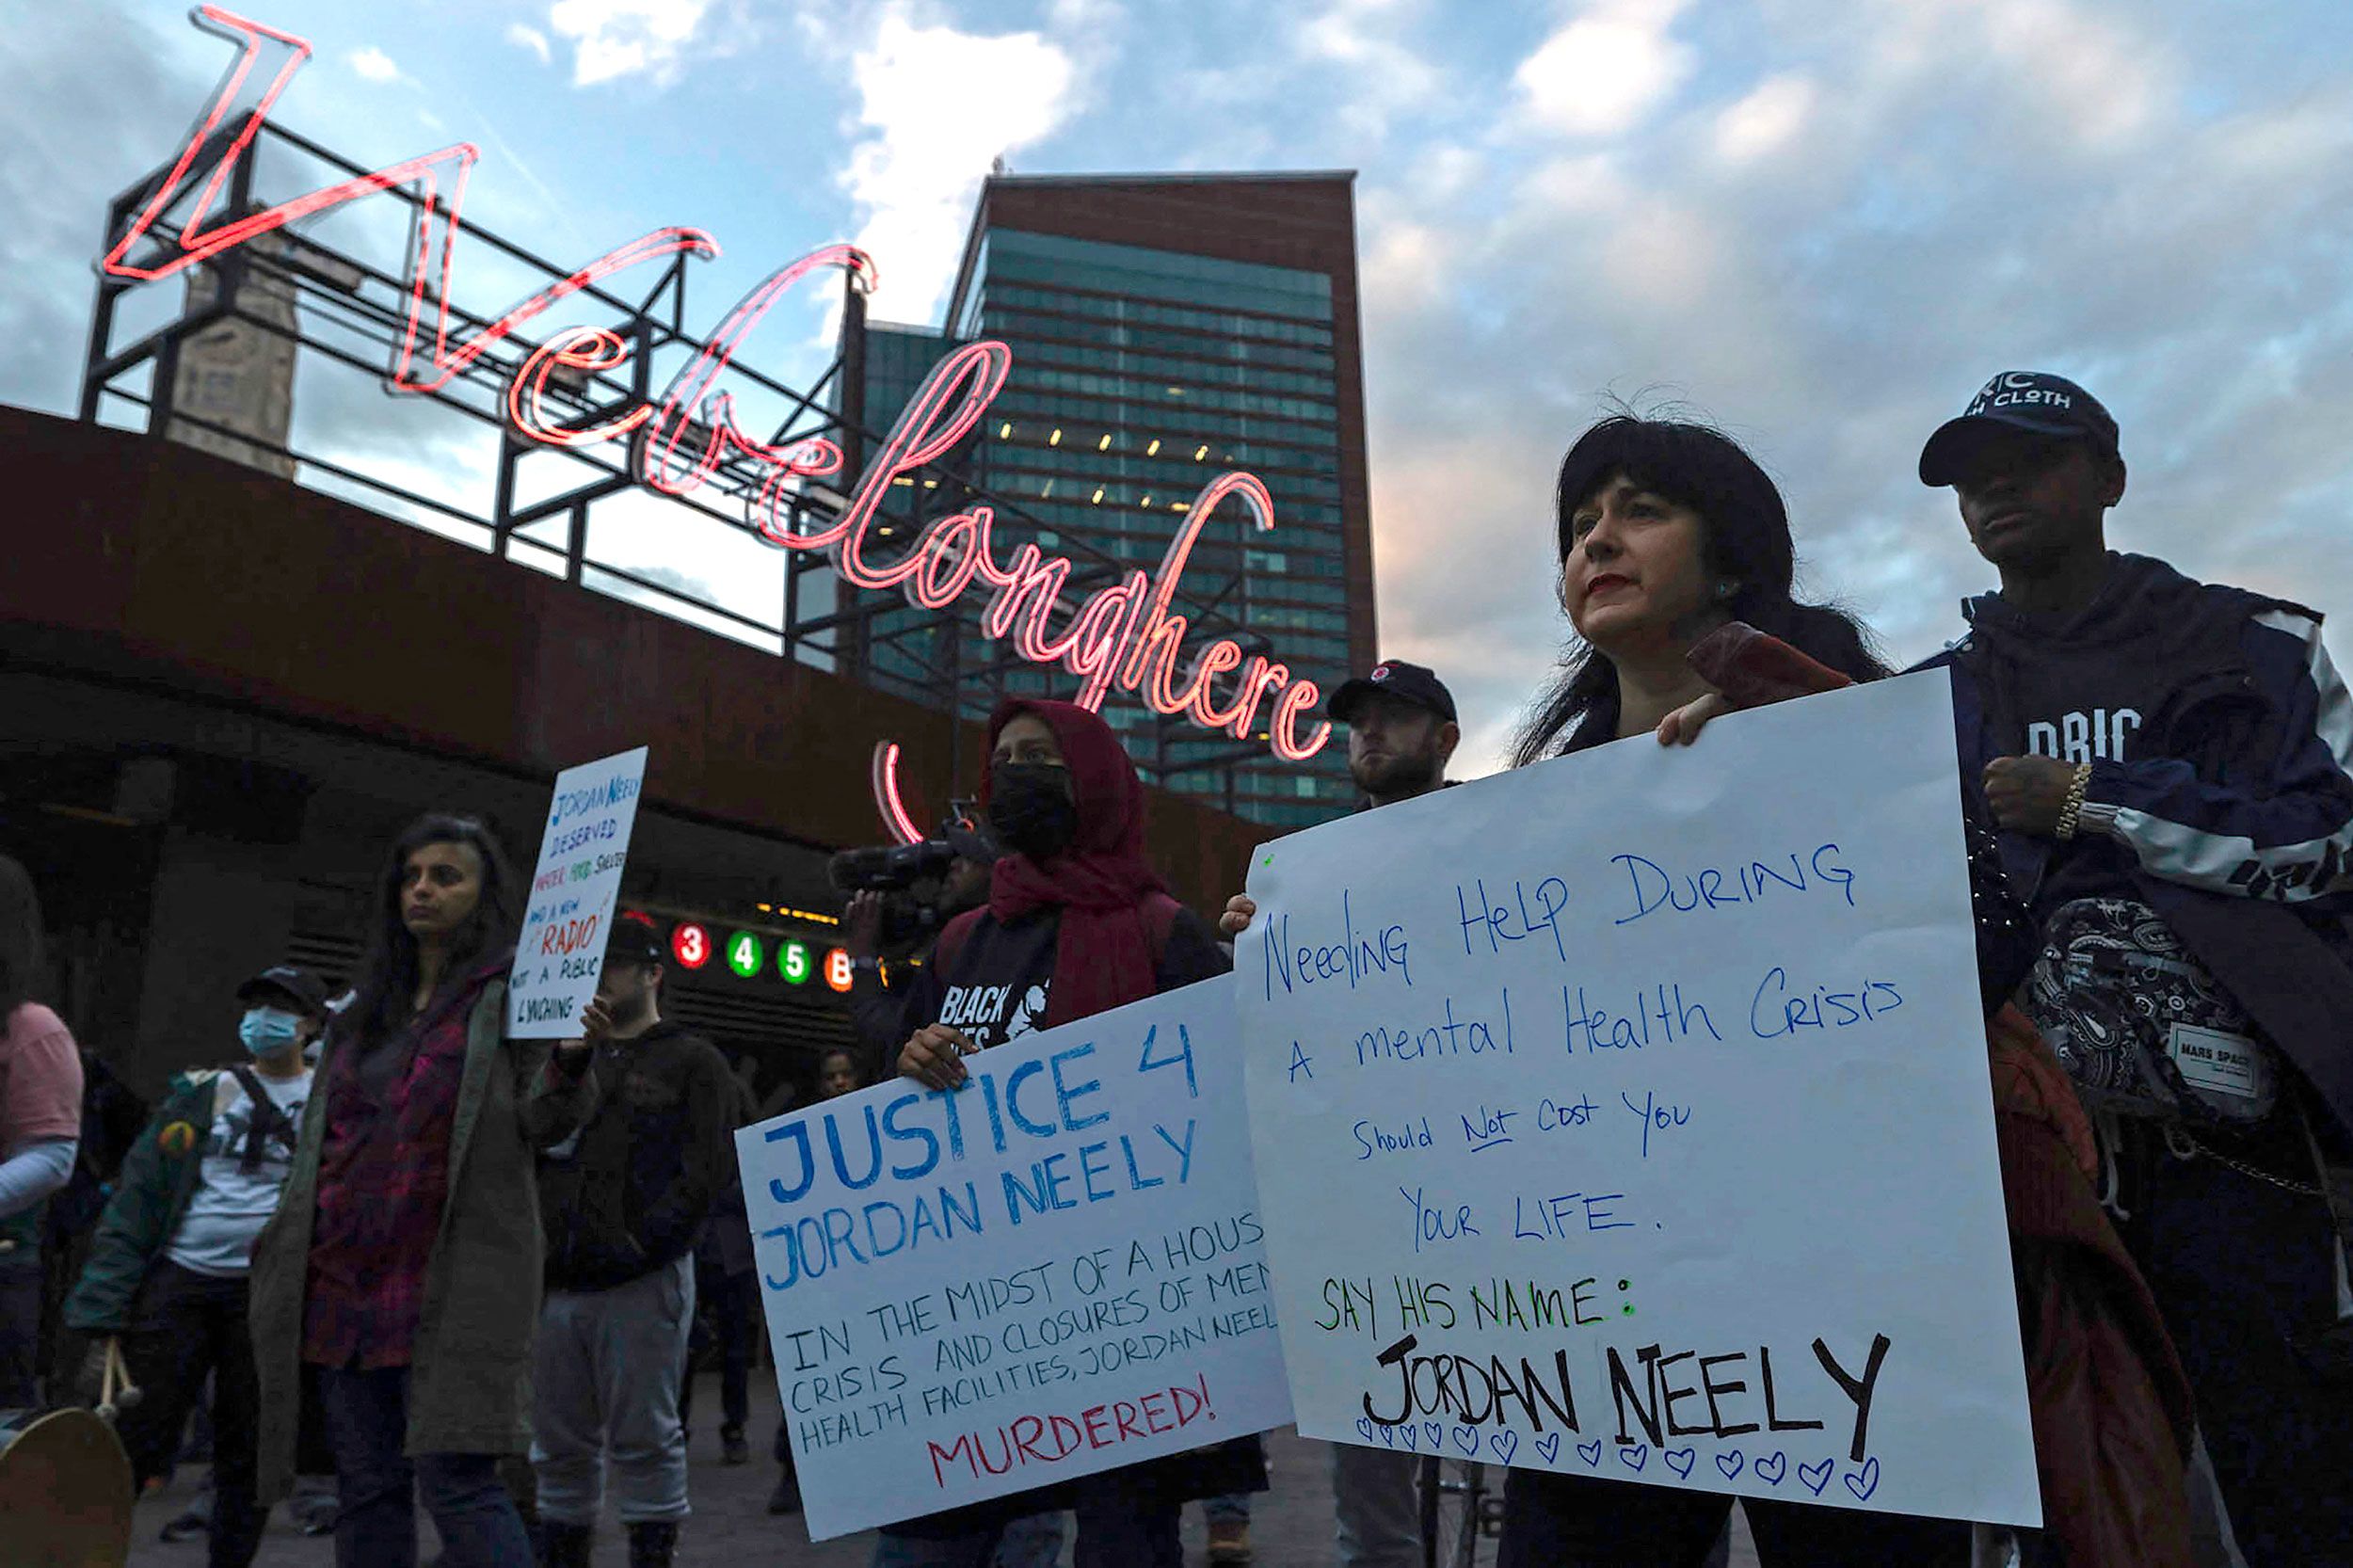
(402, 1272)
(40, 1127)
(1667, 533)
(1667, 530)
(1676, 563)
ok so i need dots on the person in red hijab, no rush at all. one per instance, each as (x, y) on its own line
(1077, 923)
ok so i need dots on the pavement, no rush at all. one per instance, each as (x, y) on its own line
(1291, 1524)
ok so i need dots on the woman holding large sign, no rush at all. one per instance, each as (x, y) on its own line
(1668, 532)
(1077, 924)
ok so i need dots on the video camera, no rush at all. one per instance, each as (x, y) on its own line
(913, 880)
(890, 868)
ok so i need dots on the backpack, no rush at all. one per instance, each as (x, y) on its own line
(2142, 1027)
(269, 1123)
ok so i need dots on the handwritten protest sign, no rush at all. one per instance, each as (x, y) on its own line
(1054, 1271)
(572, 892)
(1629, 1116)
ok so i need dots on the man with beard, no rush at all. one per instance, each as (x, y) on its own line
(1402, 732)
(622, 1202)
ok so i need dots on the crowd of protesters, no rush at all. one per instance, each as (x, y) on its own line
(2153, 770)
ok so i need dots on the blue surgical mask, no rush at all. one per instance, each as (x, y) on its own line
(266, 1031)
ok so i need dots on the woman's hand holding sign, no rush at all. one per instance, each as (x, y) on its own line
(1682, 725)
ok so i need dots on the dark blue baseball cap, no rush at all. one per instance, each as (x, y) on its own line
(2030, 400)
(1413, 684)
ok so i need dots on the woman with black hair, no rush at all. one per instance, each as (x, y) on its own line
(1676, 569)
(1670, 532)
(40, 1127)
(403, 1268)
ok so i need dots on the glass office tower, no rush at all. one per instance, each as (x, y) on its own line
(1165, 328)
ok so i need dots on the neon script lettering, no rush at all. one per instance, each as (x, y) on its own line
(1121, 636)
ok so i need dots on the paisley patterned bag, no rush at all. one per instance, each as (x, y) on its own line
(2141, 1026)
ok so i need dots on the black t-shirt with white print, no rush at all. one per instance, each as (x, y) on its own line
(1005, 974)
(1004, 977)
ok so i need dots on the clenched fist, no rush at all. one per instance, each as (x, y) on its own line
(2028, 793)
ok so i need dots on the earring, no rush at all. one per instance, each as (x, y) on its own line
(1727, 589)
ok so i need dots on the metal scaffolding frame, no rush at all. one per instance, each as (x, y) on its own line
(354, 313)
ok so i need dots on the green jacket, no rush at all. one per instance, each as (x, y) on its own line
(158, 1178)
(470, 1373)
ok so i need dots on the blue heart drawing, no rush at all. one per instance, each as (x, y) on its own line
(1634, 1456)
(1815, 1476)
(1412, 1435)
(1549, 1445)
(1864, 1482)
(1591, 1453)
(1505, 1443)
(1437, 1435)
(1363, 1424)
(1388, 1437)
(1466, 1439)
(1730, 1461)
(1680, 1461)
(1771, 1471)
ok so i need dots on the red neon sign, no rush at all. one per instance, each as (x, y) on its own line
(690, 944)
(1121, 635)
(895, 815)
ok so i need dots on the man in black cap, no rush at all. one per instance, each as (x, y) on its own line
(1402, 730)
(2170, 768)
(622, 1202)
(1401, 733)
(169, 1269)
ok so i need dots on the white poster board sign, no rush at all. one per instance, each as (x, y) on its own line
(1629, 1116)
(573, 888)
(1056, 1269)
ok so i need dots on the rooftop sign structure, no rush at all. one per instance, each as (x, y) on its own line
(582, 389)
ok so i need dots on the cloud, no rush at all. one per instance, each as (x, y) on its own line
(1824, 226)
(613, 39)
(1765, 121)
(531, 38)
(1602, 73)
(1385, 72)
(926, 141)
(91, 101)
(374, 64)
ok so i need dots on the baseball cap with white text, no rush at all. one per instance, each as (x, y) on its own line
(2030, 400)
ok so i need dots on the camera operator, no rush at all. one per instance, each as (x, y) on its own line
(899, 918)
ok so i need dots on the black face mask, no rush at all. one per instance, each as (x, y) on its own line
(1029, 809)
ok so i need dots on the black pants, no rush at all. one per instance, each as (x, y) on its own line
(2238, 1266)
(729, 1308)
(1585, 1522)
(186, 1327)
(20, 1331)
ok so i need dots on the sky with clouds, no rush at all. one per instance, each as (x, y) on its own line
(1820, 223)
